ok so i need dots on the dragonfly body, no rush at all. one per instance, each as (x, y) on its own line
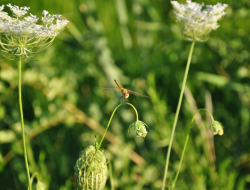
(125, 92)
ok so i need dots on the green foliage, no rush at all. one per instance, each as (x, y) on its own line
(139, 44)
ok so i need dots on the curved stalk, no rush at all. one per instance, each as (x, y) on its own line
(100, 144)
(182, 154)
(177, 113)
(22, 123)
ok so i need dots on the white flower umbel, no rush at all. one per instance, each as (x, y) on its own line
(195, 22)
(21, 35)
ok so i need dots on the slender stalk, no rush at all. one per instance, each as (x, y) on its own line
(22, 123)
(111, 177)
(190, 127)
(100, 144)
(177, 113)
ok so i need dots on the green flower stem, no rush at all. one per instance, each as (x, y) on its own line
(177, 113)
(190, 127)
(100, 144)
(111, 176)
(22, 123)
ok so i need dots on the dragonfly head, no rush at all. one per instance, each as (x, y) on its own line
(126, 95)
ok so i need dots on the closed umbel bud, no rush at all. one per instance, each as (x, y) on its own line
(217, 128)
(138, 128)
(98, 172)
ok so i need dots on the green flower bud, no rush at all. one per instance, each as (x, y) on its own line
(98, 172)
(138, 128)
(216, 127)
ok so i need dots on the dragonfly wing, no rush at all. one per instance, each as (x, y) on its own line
(137, 94)
(108, 89)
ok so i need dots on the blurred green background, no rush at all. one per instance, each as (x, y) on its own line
(138, 43)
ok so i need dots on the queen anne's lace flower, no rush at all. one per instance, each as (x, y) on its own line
(22, 36)
(198, 23)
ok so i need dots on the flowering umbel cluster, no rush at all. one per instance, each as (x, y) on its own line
(20, 35)
(198, 23)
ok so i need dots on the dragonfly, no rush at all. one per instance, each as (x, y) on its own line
(125, 92)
